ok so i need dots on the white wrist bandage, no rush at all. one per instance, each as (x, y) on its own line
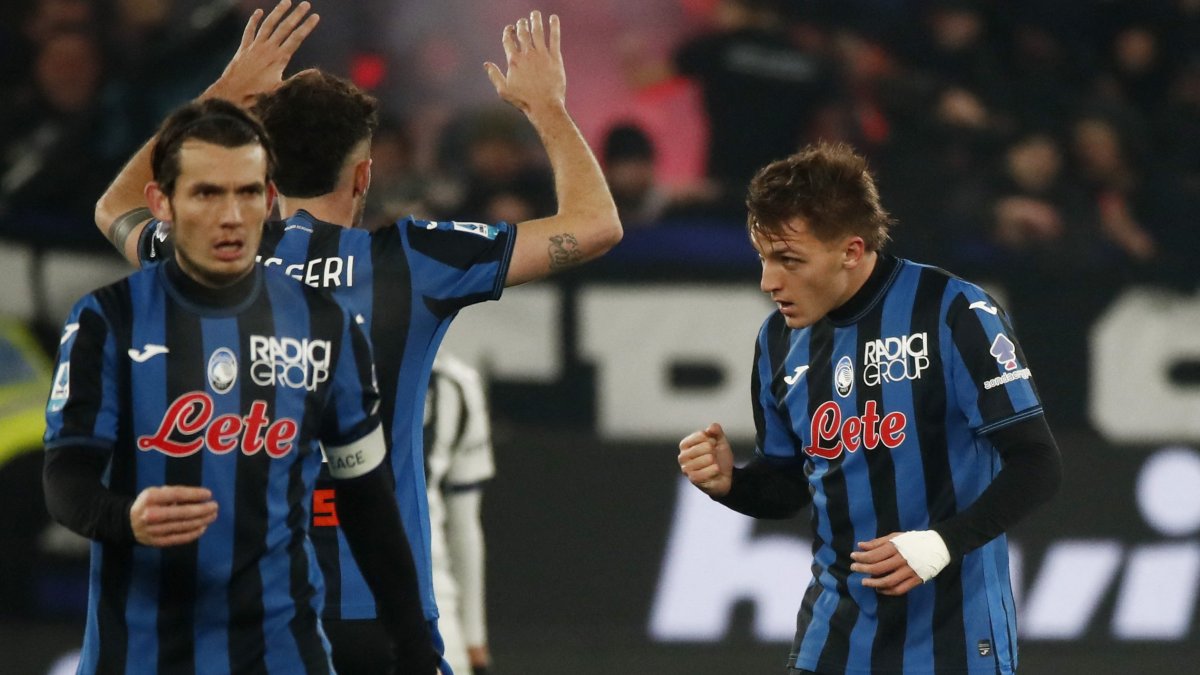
(924, 551)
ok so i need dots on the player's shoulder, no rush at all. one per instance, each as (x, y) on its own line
(953, 284)
(773, 328)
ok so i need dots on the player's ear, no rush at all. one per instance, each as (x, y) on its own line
(362, 176)
(272, 193)
(158, 201)
(853, 252)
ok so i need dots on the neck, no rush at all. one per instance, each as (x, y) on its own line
(330, 208)
(861, 274)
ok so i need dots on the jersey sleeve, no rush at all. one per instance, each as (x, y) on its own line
(154, 243)
(990, 377)
(455, 264)
(84, 401)
(351, 433)
(471, 460)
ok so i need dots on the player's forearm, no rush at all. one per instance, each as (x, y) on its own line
(587, 216)
(1031, 475)
(124, 195)
(370, 520)
(77, 499)
(761, 490)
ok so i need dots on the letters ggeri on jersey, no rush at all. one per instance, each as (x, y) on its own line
(318, 272)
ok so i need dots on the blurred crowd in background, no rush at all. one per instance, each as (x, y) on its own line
(1009, 138)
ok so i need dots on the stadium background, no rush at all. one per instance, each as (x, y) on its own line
(599, 560)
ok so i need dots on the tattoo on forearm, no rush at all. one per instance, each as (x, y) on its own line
(564, 251)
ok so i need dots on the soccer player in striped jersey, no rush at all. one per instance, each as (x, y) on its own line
(458, 461)
(185, 428)
(406, 281)
(894, 399)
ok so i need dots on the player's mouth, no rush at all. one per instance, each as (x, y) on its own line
(785, 308)
(228, 250)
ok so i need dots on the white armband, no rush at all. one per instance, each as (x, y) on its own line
(357, 458)
(924, 551)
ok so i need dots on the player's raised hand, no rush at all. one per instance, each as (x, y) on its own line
(887, 571)
(707, 460)
(535, 75)
(266, 49)
(172, 515)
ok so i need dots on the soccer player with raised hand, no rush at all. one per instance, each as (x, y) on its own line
(405, 282)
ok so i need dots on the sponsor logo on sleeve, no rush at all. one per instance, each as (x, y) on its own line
(480, 229)
(1005, 353)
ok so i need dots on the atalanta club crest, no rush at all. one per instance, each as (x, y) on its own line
(843, 377)
(222, 370)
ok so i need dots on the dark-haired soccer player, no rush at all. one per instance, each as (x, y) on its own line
(892, 397)
(185, 430)
(406, 281)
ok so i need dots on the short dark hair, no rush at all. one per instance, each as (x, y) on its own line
(827, 185)
(316, 120)
(213, 121)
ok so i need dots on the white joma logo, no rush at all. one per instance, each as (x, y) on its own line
(979, 304)
(68, 330)
(795, 376)
(148, 352)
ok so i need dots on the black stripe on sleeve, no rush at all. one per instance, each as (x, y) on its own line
(971, 342)
(461, 250)
(930, 401)
(86, 377)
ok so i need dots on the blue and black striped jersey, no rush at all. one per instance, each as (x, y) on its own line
(888, 412)
(234, 397)
(406, 281)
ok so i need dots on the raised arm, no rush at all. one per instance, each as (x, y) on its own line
(586, 225)
(255, 68)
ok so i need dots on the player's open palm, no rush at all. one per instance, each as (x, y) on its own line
(257, 66)
(535, 75)
(172, 515)
(707, 460)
